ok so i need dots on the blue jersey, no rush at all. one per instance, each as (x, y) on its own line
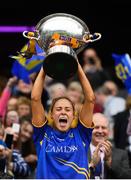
(62, 155)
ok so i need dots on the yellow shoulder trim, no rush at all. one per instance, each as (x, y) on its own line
(92, 126)
(38, 126)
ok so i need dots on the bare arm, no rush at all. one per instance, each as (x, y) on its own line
(38, 113)
(6, 94)
(88, 106)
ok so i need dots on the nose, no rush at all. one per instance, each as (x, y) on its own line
(100, 130)
(63, 111)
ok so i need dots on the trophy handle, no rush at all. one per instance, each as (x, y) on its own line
(91, 37)
(88, 38)
(31, 35)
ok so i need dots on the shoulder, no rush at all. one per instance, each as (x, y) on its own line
(119, 152)
(121, 119)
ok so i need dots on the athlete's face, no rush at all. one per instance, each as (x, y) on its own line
(62, 115)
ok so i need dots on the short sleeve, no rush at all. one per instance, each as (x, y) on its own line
(39, 132)
(85, 133)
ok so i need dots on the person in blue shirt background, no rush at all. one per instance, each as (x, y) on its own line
(62, 147)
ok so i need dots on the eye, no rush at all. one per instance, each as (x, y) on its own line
(68, 109)
(103, 127)
(58, 109)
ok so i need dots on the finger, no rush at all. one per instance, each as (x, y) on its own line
(105, 147)
(107, 150)
(98, 147)
(107, 144)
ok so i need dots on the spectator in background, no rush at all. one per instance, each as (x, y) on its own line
(122, 140)
(16, 162)
(55, 90)
(2, 132)
(2, 156)
(22, 89)
(12, 103)
(112, 87)
(23, 106)
(115, 91)
(92, 67)
(4, 152)
(10, 118)
(111, 105)
(116, 162)
(6, 94)
(29, 153)
(75, 94)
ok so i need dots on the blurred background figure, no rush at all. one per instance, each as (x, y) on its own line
(104, 157)
(22, 89)
(6, 95)
(15, 104)
(55, 90)
(10, 118)
(4, 173)
(75, 93)
(12, 103)
(15, 161)
(122, 139)
(111, 105)
(115, 91)
(92, 66)
(29, 154)
(2, 132)
(23, 106)
(112, 87)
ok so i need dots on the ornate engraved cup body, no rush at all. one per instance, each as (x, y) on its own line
(62, 36)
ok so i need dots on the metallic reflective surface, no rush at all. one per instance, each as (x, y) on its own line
(64, 24)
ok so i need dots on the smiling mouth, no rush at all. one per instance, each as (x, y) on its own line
(99, 136)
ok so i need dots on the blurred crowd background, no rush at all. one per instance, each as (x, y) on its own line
(112, 97)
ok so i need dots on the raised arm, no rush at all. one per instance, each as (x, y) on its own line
(38, 113)
(6, 94)
(88, 106)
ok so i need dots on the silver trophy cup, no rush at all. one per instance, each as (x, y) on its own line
(62, 36)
